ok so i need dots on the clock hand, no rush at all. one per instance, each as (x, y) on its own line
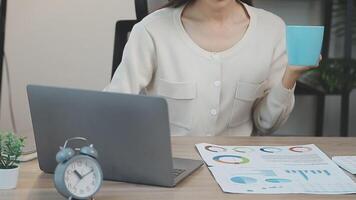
(88, 173)
(82, 177)
(78, 174)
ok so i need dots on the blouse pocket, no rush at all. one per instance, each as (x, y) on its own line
(179, 96)
(245, 95)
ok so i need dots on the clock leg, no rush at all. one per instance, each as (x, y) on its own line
(71, 198)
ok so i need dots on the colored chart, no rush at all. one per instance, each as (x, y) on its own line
(299, 149)
(270, 149)
(243, 149)
(231, 159)
(278, 180)
(272, 169)
(215, 149)
(306, 174)
(243, 180)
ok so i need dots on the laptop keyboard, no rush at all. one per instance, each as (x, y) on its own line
(177, 172)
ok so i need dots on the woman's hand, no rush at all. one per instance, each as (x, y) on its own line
(293, 73)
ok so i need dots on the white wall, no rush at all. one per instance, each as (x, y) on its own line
(58, 42)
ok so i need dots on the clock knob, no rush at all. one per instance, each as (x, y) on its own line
(64, 154)
(89, 151)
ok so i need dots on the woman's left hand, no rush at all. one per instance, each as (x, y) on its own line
(293, 73)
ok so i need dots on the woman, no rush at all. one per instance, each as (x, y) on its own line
(220, 64)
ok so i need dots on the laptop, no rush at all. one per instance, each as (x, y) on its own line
(130, 132)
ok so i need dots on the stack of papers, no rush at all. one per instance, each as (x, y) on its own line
(275, 170)
(348, 163)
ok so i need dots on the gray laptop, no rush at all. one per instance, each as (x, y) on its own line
(130, 132)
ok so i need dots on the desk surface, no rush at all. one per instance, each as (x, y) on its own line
(35, 185)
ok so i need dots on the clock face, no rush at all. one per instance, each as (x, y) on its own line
(82, 177)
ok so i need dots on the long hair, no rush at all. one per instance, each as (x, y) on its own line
(178, 3)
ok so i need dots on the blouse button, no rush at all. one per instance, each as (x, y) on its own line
(215, 57)
(213, 112)
(217, 83)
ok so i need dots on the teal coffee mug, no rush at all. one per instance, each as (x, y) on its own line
(304, 45)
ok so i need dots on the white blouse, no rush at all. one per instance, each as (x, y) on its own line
(236, 92)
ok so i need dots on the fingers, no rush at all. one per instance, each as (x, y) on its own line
(320, 59)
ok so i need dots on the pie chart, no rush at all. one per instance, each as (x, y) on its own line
(243, 180)
(243, 149)
(270, 149)
(300, 149)
(215, 149)
(231, 159)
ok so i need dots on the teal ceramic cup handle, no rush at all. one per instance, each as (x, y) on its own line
(304, 45)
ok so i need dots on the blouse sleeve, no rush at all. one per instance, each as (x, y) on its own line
(273, 110)
(138, 63)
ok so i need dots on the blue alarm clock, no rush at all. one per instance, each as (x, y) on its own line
(78, 174)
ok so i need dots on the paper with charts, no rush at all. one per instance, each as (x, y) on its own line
(275, 170)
